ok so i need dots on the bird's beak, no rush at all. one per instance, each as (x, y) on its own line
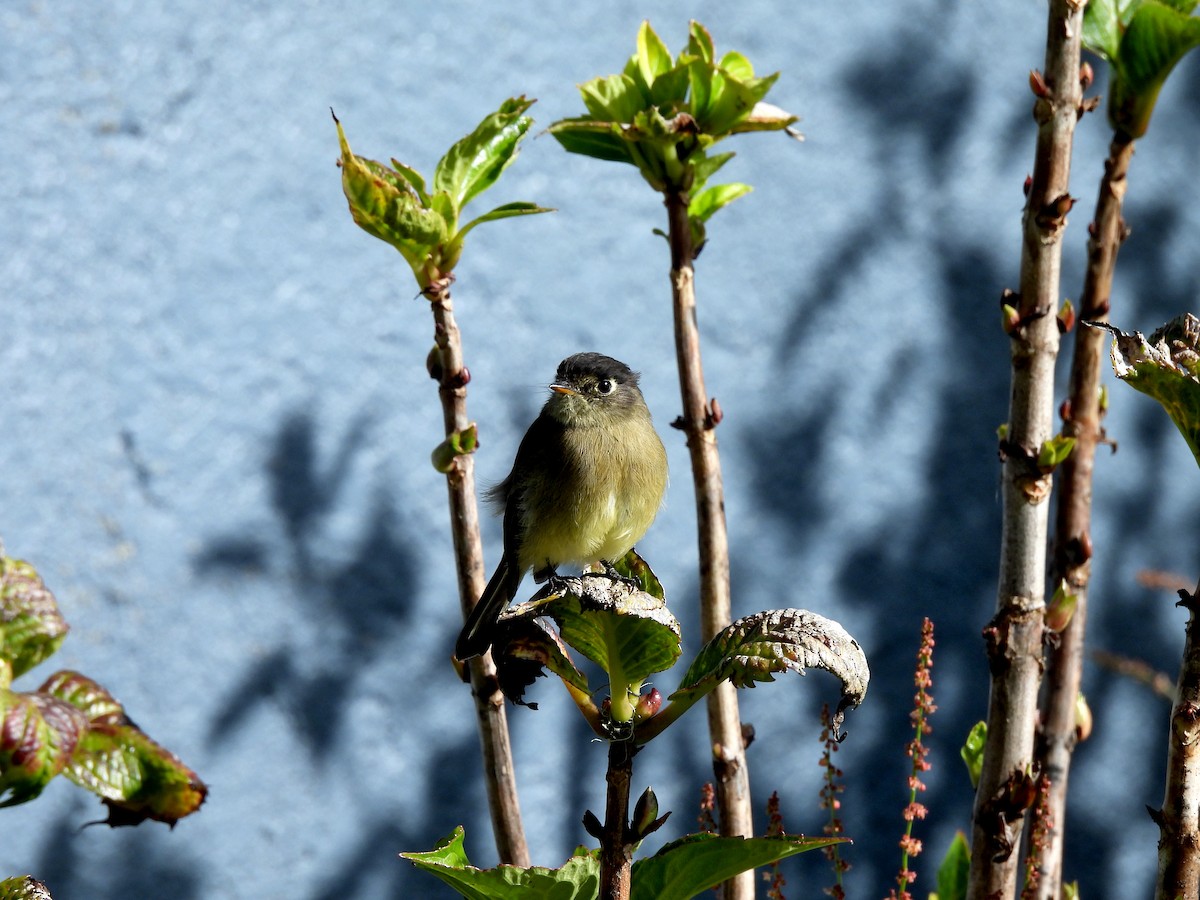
(563, 389)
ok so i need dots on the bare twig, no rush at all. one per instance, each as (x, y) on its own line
(1179, 819)
(1072, 529)
(468, 558)
(1139, 670)
(1014, 636)
(616, 845)
(1040, 827)
(698, 423)
(1162, 581)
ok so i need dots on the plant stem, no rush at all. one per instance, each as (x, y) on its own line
(1179, 819)
(1014, 636)
(616, 849)
(499, 773)
(698, 423)
(923, 708)
(1072, 529)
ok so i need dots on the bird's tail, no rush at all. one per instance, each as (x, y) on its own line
(476, 636)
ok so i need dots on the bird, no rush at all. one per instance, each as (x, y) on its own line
(587, 482)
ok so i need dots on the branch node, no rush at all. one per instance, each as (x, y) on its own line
(436, 290)
(1097, 309)
(459, 379)
(713, 414)
(1053, 215)
(1086, 75)
(1037, 84)
(726, 762)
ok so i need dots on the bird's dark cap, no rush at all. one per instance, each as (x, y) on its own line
(571, 369)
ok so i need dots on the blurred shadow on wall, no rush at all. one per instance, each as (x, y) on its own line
(938, 561)
(918, 98)
(942, 558)
(353, 605)
(140, 866)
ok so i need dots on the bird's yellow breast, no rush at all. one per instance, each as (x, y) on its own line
(605, 497)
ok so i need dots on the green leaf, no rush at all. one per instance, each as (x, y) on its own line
(1054, 452)
(663, 116)
(578, 879)
(31, 626)
(757, 647)
(24, 887)
(626, 631)
(631, 565)
(669, 90)
(700, 42)
(701, 97)
(38, 735)
(507, 211)
(953, 873)
(737, 66)
(972, 751)
(135, 777)
(693, 864)
(766, 117)
(612, 98)
(414, 178)
(385, 205)
(588, 137)
(474, 163)
(733, 102)
(86, 695)
(1143, 40)
(458, 443)
(708, 201)
(1167, 368)
(443, 204)
(1157, 37)
(1061, 608)
(653, 57)
(1103, 23)
(704, 166)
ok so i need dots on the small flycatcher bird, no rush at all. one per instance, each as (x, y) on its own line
(587, 482)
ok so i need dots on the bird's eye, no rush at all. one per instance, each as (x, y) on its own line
(605, 385)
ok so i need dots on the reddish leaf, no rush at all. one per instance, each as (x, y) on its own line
(38, 735)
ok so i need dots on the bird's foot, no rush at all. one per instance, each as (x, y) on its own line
(555, 582)
(610, 572)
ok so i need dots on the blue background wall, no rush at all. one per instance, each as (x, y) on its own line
(216, 419)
